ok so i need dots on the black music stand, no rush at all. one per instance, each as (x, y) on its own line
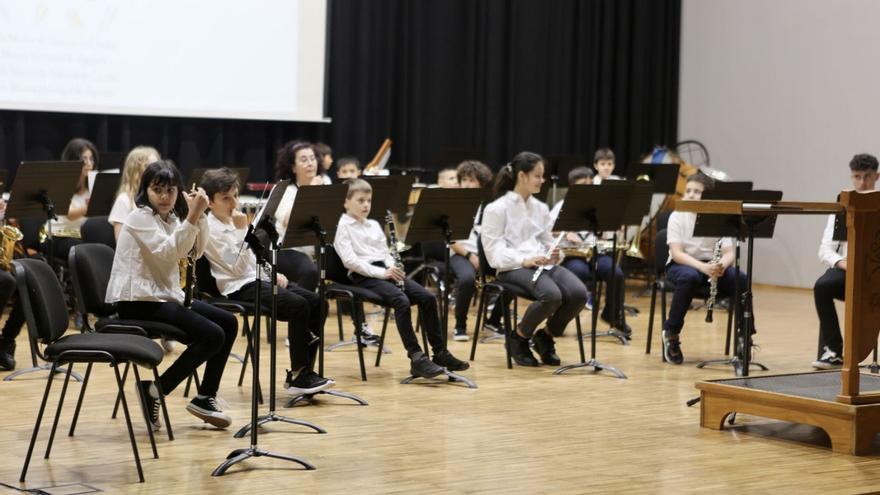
(444, 214)
(594, 208)
(103, 194)
(113, 160)
(390, 193)
(727, 186)
(314, 217)
(259, 237)
(196, 176)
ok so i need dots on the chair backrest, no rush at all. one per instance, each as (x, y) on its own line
(485, 268)
(97, 230)
(90, 267)
(205, 280)
(661, 252)
(336, 271)
(42, 300)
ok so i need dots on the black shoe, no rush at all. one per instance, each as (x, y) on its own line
(672, 348)
(206, 409)
(149, 403)
(423, 367)
(7, 355)
(308, 382)
(546, 348)
(519, 350)
(621, 327)
(450, 362)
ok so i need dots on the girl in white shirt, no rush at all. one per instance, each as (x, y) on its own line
(145, 285)
(516, 238)
(135, 163)
(65, 230)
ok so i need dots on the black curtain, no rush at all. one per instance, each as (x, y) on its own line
(555, 77)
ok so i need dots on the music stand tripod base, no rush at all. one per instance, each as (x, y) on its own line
(267, 418)
(617, 334)
(310, 398)
(735, 361)
(239, 455)
(450, 378)
(592, 363)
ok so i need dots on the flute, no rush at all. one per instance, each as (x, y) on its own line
(541, 268)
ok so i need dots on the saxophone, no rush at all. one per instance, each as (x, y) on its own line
(713, 283)
(394, 248)
(9, 237)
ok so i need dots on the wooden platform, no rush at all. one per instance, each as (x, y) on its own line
(522, 431)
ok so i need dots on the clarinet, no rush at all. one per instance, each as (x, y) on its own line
(713, 283)
(188, 273)
(542, 268)
(392, 239)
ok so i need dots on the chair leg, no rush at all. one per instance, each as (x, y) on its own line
(146, 413)
(663, 316)
(124, 379)
(729, 327)
(339, 320)
(58, 410)
(162, 402)
(137, 458)
(382, 336)
(194, 377)
(479, 327)
(359, 317)
(515, 313)
(82, 393)
(580, 336)
(27, 457)
(651, 318)
(424, 333)
(247, 350)
(507, 326)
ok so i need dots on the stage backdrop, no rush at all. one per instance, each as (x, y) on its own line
(561, 77)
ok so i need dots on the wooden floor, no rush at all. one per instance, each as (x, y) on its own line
(523, 431)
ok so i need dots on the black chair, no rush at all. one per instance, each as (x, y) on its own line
(47, 320)
(97, 230)
(666, 286)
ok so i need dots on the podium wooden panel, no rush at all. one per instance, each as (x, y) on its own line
(846, 404)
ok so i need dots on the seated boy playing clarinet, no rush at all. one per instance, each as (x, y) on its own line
(361, 245)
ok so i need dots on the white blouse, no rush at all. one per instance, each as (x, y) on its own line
(514, 229)
(360, 244)
(122, 206)
(64, 224)
(232, 265)
(146, 265)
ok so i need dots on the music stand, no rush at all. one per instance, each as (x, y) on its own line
(113, 160)
(196, 176)
(390, 193)
(594, 208)
(261, 231)
(664, 176)
(443, 215)
(731, 186)
(103, 194)
(313, 221)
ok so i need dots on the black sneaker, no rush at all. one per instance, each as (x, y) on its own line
(307, 383)
(460, 335)
(423, 367)
(149, 403)
(450, 362)
(672, 348)
(621, 327)
(7, 355)
(368, 336)
(519, 350)
(830, 360)
(206, 409)
(546, 348)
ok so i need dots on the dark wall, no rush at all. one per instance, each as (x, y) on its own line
(556, 77)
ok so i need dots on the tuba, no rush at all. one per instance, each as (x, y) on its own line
(9, 237)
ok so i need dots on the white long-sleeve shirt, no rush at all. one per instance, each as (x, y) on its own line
(282, 217)
(470, 244)
(680, 229)
(514, 229)
(122, 206)
(232, 265)
(831, 251)
(360, 244)
(65, 224)
(146, 265)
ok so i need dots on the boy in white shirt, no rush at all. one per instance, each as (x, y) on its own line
(689, 267)
(832, 284)
(235, 268)
(603, 162)
(363, 249)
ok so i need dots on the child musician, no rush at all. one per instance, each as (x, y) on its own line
(235, 271)
(603, 162)
(516, 237)
(690, 266)
(348, 167)
(145, 285)
(135, 163)
(66, 229)
(363, 249)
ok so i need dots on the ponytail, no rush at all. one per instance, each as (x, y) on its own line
(505, 180)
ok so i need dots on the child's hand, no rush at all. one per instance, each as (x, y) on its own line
(281, 280)
(535, 261)
(197, 201)
(394, 273)
(239, 219)
(318, 180)
(554, 257)
(474, 261)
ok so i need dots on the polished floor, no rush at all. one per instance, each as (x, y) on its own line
(523, 430)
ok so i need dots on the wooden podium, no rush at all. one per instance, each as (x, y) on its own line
(846, 404)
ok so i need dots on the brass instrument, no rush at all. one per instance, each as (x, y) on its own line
(394, 246)
(9, 237)
(713, 283)
(68, 233)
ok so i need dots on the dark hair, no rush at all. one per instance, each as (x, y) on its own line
(219, 180)
(603, 154)
(75, 148)
(286, 156)
(476, 169)
(580, 173)
(703, 179)
(162, 173)
(863, 162)
(348, 160)
(505, 180)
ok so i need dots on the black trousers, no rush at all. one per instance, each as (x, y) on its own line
(830, 286)
(558, 298)
(13, 324)
(301, 309)
(401, 301)
(211, 331)
(465, 286)
(298, 268)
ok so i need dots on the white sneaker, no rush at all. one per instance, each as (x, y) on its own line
(829, 360)
(167, 345)
(460, 335)
(286, 342)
